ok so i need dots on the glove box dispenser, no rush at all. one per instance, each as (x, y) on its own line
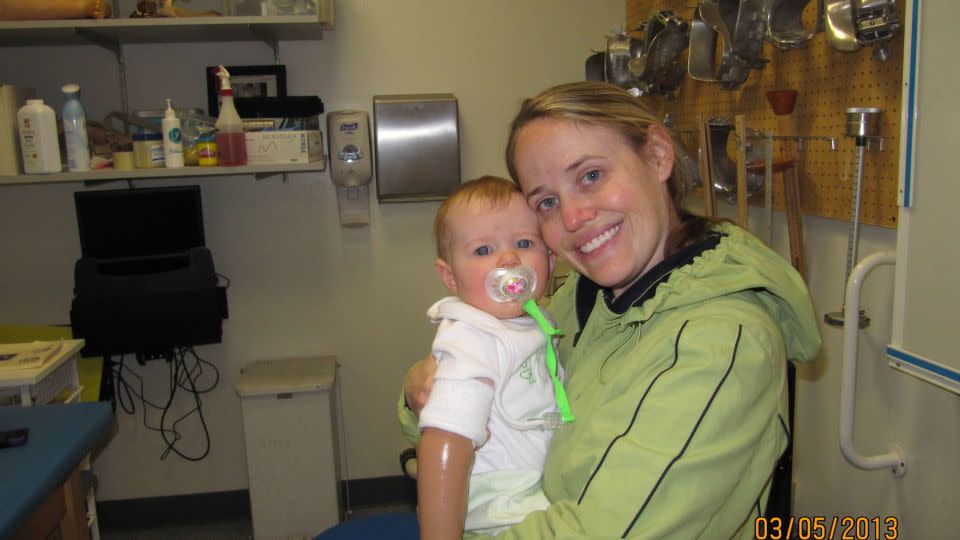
(418, 146)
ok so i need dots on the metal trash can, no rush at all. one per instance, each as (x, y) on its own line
(290, 431)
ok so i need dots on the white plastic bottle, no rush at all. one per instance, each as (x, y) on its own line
(39, 143)
(231, 140)
(172, 140)
(75, 129)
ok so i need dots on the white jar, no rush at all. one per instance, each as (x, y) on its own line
(39, 142)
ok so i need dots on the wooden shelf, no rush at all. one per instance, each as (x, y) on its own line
(107, 175)
(164, 30)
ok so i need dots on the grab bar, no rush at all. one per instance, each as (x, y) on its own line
(848, 381)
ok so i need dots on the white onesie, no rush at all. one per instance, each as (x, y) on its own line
(472, 347)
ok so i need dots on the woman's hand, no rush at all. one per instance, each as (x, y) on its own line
(418, 383)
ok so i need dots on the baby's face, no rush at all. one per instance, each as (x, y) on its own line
(481, 239)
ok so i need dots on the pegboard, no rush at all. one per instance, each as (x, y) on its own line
(828, 83)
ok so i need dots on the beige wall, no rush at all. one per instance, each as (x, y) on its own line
(300, 283)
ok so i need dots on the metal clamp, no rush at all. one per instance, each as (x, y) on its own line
(742, 43)
(658, 68)
(852, 24)
(785, 24)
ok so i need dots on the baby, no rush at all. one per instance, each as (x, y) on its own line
(487, 424)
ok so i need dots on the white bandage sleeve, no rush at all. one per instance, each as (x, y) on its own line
(460, 406)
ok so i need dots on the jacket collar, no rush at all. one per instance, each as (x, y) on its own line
(644, 288)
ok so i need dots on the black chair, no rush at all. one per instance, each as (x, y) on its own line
(781, 489)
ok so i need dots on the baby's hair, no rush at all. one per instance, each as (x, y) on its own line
(492, 190)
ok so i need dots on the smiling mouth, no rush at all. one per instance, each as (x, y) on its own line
(600, 240)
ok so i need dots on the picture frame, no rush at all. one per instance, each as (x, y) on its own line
(247, 82)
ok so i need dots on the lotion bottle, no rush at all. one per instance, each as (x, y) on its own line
(39, 142)
(75, 129)
(172, 139)
(231, 141)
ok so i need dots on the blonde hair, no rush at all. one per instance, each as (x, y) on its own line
(492, 190)
(606, 105)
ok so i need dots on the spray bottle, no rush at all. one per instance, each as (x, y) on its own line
(75, 129)
(231, 142)
(172, 139)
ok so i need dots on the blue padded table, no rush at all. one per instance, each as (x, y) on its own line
(60, 437)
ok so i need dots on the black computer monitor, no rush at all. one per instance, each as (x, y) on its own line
(127, 223)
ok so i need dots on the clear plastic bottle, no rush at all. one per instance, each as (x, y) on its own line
(231, 141)
(172, 140)
(39, 142)
(75, 129)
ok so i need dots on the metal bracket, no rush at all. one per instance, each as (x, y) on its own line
(116, 48)
(267, 38)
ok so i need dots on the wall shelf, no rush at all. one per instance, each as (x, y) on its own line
(165, 30)
(113, 33)
(109, 175)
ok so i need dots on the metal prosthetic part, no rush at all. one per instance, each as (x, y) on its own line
(741, 25)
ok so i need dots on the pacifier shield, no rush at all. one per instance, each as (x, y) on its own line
(511, 284)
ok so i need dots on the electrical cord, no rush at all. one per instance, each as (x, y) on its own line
(123, 388)
(182, 377)
(179, 369)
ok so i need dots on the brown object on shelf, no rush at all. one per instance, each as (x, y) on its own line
(33, 10)
(782, 101)
(165, 8)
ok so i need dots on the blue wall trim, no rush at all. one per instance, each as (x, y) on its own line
(923, 364)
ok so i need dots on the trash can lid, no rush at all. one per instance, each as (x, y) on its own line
(287, 376)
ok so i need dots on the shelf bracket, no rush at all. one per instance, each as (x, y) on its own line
(116, 48)
(108, 44)
(270, 40)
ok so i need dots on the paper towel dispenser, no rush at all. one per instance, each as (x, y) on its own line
(418, 146)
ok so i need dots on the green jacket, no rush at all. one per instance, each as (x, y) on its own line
(680, 397)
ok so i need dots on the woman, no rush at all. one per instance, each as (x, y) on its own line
(677, 332)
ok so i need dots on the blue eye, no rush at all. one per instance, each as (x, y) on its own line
(547, 203)
(591, 176)
(482, 251)
(525, 243)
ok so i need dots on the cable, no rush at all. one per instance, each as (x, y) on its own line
(130, 408)
(179, 368)
(342, 428)
(182, 377)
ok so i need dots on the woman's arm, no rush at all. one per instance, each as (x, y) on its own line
(444, 461)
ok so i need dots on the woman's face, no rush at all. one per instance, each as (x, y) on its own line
(602, 205)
